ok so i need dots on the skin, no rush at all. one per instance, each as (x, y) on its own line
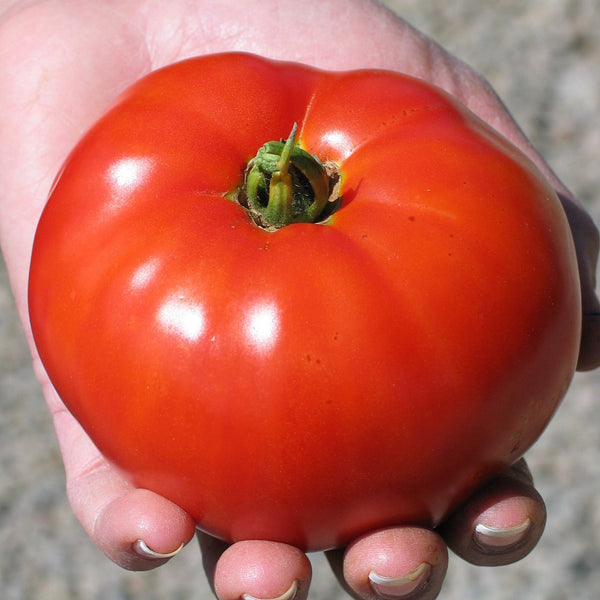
(61, 64)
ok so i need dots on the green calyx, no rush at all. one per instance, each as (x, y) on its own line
(285, 184)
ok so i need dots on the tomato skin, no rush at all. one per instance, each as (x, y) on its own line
(310, 384)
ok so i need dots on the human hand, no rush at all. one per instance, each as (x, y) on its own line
(51, 95)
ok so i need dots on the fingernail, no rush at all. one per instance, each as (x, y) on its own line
(392, 588)
(289, 595)
(143, 550)
(497, 538)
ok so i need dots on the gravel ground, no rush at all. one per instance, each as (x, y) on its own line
(543, 58)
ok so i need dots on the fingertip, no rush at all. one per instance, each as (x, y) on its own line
(500, 525)
(400, 562)
(141, 530)
(261, 570)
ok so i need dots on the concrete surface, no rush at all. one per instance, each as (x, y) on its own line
(543, 57)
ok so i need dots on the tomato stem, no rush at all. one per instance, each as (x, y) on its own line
(284, 184)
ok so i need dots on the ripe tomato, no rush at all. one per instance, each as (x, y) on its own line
(309, 382)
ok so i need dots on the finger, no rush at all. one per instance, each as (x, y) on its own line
(255, 570)
(587, 244)
(399, 562)
(589, 353)
(136, 528)
(501, 524)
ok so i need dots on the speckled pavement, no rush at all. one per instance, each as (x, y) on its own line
(543, 57)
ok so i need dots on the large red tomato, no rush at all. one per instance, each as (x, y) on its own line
(311, 381)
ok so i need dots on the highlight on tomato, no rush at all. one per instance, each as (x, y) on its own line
(302, 304)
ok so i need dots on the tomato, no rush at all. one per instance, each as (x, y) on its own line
(308, 381)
